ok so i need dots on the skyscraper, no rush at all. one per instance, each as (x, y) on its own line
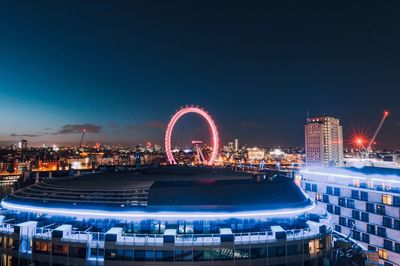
(324, 141)
(236, 145)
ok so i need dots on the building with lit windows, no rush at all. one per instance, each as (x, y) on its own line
(364, 203)
(165, 216)
(323, 141)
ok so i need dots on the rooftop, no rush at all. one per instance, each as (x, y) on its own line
(166, 189)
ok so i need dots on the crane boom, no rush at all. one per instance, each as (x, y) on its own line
(83, 134)
(368, 149)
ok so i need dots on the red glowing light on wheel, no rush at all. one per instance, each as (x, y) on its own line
(176, 117)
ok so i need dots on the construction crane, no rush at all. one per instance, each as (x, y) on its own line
(83, 134)
(200, 156)
(371, 142)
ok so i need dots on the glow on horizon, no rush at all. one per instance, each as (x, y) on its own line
(87, 213)
(349, 176)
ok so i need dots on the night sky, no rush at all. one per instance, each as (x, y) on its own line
(121, 68)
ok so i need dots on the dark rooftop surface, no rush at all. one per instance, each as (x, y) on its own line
(165, 189)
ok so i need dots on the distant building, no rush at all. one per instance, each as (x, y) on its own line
(230, 145)
(236, 145)
(324, 141)
(255, 154)
(24, 144)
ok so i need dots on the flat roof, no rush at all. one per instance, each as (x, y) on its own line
(165, 189)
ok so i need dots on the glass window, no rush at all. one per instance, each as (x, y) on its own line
(380, 209)
(338, 228)
(243, 253)
(318, 197)
(397, 247)
(365, 238)
(396, 201)
(314, 187)
(387, 199)
(350, 203)
(369, 207)
(371, 229)
(365, 217)
(364, 195)
(168, 255)
(337, 210)
(280, 251)
(140, 255)
(329, 207)
(342, 221)
(350, 223)
(382, 231)
(325, 198)
(342, 202)
(77, 252)
(387, 244)
(383, 254)
(396, 224)
(60, 250)
(257, 253)
(336, 191)
(355, 214)
(356, 235)
(329, 190)
(355, 194)
(111, 254)
(387, 222)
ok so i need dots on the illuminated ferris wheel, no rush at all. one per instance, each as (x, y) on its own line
(196, 110)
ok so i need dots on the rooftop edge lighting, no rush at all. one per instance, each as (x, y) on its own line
(348, 176)
(158, 215)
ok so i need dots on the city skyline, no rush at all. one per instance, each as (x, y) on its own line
(122, 70)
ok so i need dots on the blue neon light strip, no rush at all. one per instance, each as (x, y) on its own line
(159, 215)
(348, 176)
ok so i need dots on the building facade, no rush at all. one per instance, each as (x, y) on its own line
(324, 141)
(136, 218)
(364, 204)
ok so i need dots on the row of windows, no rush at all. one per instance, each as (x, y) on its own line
(356, 194)
(361, 216)
(391, 223)
(371, 229)
(346, 222)
(357, 235)
(216, 254)
(311, 187)
(333, 191)
(360, 195)
(387, 244)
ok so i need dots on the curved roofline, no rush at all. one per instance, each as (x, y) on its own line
(141, 215)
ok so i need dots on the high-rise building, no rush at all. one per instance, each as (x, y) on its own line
(236, 145)
(324, 141)
(24, 144)
(364, 204)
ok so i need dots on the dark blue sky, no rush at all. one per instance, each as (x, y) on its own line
(126, 66)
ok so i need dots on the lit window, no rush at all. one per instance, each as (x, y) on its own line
(318, 197)
(383, 254)
(387, 199)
